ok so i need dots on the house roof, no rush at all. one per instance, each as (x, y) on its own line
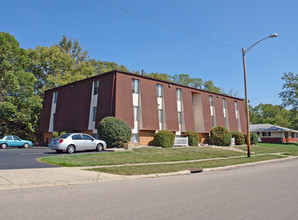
(269, 128)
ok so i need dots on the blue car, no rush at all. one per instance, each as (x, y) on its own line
(14, 141)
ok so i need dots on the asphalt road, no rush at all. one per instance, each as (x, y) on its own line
(267, 191)
(20, 158)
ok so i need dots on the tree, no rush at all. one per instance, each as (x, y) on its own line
(73, 49)
(160, 76)
(270, 114)
(53, 68)
(209, 86)
(289, 96)
(18, 102)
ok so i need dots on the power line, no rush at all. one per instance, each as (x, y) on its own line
(166, 25)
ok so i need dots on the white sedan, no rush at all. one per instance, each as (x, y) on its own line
(76, 142)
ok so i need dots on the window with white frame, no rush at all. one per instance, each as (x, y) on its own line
(211, 102)
(178, 94)
(95, 87)
(94, 113)
(159, 90)
(135, 86)
(225, 112)
(136, 113)
(55, 97)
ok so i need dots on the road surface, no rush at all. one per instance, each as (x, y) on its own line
(267, 191)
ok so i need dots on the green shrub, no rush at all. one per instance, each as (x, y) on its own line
(220, 136)
(254, 138)
(114, 131)
(164, 139)
(239, 137)
(193, 139)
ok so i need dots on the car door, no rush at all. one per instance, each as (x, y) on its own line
(17, 141)
(9, 141)
(77, 140)
(89, 142)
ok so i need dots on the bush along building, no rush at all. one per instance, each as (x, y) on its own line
(146, 104)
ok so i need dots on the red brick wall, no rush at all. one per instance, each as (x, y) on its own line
(46, 112)
(170, 99)
(188, 110)
(124, 105)
(149, 104)
(242, 117)
(106, 97)
(206, 112)
(219, 110)
(73, 105)
(232, 115)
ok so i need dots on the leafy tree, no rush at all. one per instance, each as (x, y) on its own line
(18, 102)
(73, 49)
(53, 68)
(270, 114)
(209, 86)
(289, 96)
(100, 67)
(160, 76)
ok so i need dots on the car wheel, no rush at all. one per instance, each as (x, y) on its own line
(3, 146)
(99, 147)
(26, 145)
(70, 149)
(59, 151)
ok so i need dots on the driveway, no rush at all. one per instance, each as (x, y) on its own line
(20, 158)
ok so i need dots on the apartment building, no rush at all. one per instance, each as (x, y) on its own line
(146, 104)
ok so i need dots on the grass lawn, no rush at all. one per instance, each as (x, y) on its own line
(141, 155)
(263, 148)
(165, 168)
(151, 155)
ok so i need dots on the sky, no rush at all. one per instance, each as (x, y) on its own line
(195, 37)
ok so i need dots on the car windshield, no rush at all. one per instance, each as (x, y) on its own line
(1, 137)
(64, 136)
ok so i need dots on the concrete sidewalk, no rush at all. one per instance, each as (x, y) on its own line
(61, 176)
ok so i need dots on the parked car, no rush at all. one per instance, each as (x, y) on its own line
(14, 141)
(76, 142)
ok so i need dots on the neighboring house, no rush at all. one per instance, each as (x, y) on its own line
(146, 104)
(274, 134)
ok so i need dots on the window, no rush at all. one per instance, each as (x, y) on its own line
(76, 137)
(135, 85)
(136, 113)
(8, 138)
(225, 113)
(180, 117)
(16, 138)
(266, 134)
(96, 86)
(159, 90)
(55, 97)
(236, 110)
(94, 113)
(292, 135)
(178, 94)
(160, 116)
(86, 137)
(134, 138)
(212, 111)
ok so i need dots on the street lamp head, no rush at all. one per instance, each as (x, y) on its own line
(273, 35)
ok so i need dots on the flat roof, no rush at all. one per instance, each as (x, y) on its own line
(149, 78)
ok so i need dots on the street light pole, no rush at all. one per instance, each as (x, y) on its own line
(245, 87)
